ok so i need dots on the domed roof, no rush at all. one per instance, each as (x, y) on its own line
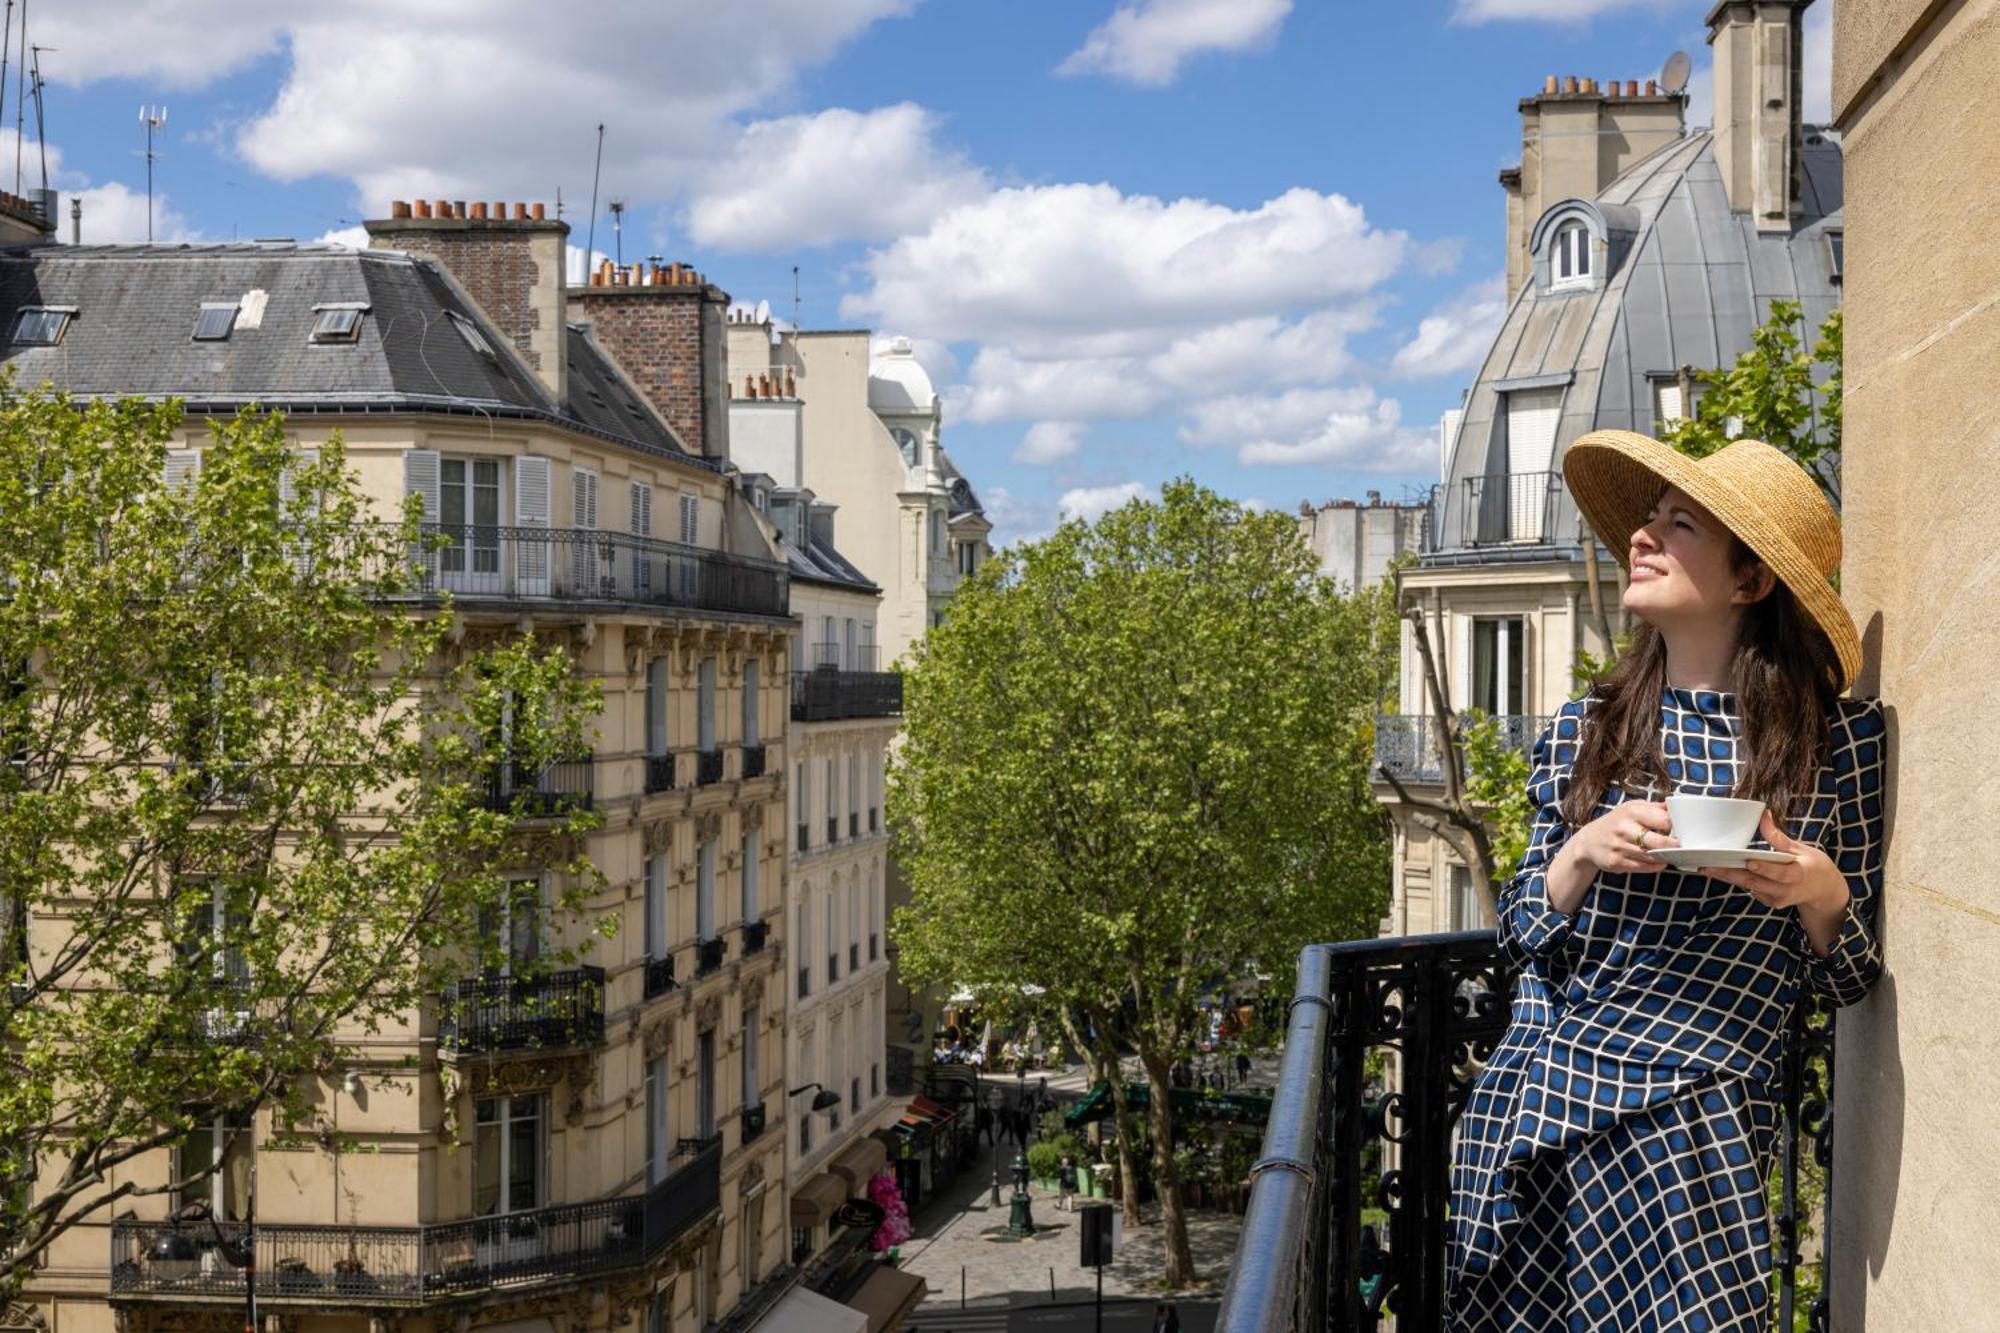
(896, 383)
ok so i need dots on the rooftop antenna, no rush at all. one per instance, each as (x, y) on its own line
(20, 101)
(795, 298)
(41, 122)
(1673, 75)
(617, 207)
(6, 51)
(590, 245)
(153, 118)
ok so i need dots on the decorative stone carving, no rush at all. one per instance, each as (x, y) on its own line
(508, 1078)
(751, 817)
(658, 836)
(21, 1317)
(708, 826)
(752, 1178)
(659, 1039)
(753, 992)
(708, 1013)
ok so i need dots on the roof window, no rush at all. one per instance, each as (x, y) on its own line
(1836, 254)
(1569, 262)
(473, 337)
(337, 323)
(41, 325)
(214, 322)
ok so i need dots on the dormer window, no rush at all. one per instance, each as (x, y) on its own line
(474, 339)
(1569, 259)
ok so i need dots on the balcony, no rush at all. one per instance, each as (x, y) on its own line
(321, 1267)
(1436, 1003)
(707, 767)
(659, 975)
(552, 1011)
(755, 935)
(556, 789)
(753, 762)
(561, 567)
(1410, 745)
(659, 773)
(826, 695)
(1520, 509)
(753, 1122)
(709, 954)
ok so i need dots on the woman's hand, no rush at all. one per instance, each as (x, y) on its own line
(1811, 882)
(1613, 843)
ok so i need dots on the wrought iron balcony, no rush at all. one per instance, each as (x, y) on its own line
(1410, 745)
(1504, 509)
(709, 955)
(550, 1011)
(707, 767)
(659, 773)
(753, 762)
(556, 789)
(566, 566)
(753, 1122)
(335, 1266)
(825, 694)
(659, 975)
(755, 935)
(1336, 1142)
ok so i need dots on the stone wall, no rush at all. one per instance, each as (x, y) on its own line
(670, 339)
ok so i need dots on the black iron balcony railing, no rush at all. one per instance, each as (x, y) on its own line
(1409, 745)
(753, 762)
(709, 954)
(832, 830)
(565, 565)
(659, 975)
(554, 1010)
(1439, 1004)
(659, 773)
(1504, 509)
(825, 695)
(805, 837)
(560, 787)
(755, 935)
(406, 1266)
(707, 767)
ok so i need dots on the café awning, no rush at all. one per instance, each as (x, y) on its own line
(887, 1295)
(804, 1310)
(814, 1201)
(860, 1162)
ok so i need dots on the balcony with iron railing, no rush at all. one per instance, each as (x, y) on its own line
(321, 1267)
(553, 790)
(660, 770)
(707, 767)
(1411, 745)
(755, 935)
(1518, 509)
(1338, 1143)
(560, 1010)
(567, 567)
(709, 955)
(828, 695)
(753, 762)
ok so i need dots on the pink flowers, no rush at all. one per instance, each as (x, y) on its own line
(895, 1228)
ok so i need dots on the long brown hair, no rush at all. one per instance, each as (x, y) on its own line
(1786, 676)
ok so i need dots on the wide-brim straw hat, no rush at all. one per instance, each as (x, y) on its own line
(1752, 489)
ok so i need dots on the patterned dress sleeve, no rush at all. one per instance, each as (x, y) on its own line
(1860, 756)
(1529, 929)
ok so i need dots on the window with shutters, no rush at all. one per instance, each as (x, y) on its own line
(752, 734)
(468, 517)
(751, 855)
(659, 936)
(591, 571)
(181, 468)
(642, 528)
(690, 520)
(656, 707)
(704, 891)
(803, 945)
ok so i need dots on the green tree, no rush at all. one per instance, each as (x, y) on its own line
(243, 807)
(1135, 762)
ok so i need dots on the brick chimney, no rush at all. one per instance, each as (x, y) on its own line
(511, 267)
(1759, 85)
(666, 326)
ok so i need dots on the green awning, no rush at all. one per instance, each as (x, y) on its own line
(1190, 1104)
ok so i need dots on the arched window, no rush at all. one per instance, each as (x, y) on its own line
(1569, 261)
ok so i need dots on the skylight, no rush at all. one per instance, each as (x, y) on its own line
(337, 324)
(41, 326)
(473, 337)
(214, 322)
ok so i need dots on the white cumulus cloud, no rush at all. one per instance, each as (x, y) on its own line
(1453, 340)
(1049, 442)
(1147, 42)
(1550, 11)
(1091, 503)
(1365, 435)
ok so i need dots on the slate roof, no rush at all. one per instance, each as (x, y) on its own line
(136, 307)
(819, 563)
(1691, 280)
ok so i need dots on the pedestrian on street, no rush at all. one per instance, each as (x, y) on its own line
(1066, 1184)
(1242, 1068)
(982, 1123)
(1166, 1318)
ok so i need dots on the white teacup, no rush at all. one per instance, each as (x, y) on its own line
(1714, 822)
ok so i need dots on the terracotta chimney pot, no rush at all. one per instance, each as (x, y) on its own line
(442, 207)
(1550, 84)
(791, 389)
(423, 208)
(1652, 87)
(537, 212)
(458, 208)
(399, 208)
(479, 210)
(1569, 83)
(1631, 87)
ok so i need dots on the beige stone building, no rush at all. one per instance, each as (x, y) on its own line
(602, 1147)
(1644, 253)
(1356, 542)
(1916, 93)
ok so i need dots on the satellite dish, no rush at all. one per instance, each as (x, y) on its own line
(1674, 75)
(763, 315)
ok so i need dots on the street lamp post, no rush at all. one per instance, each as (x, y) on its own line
(994, 1099)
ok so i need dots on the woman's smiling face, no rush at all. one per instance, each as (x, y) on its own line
(1682, 568)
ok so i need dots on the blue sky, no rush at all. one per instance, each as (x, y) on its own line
(1257, 241)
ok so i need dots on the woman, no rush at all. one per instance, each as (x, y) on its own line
(1611, 1163)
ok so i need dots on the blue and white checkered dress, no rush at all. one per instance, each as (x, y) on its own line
(1610, 1168)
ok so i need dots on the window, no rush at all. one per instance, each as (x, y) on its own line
(751, 732)
(473, 337)
(705, 706)
(752, 1093)
(214, 322)
(803, 944)
(1569, 261)
(660, 1311)
(874, 920)
(752, 909)
(875, 795)
(1499, 666)
(802, 804)
(836, 1059)
(469, 515)
(906, 444)
(659, 1142)
(832, 926)
(868, 645)
(512, 932)
(853, 927)
(690, 520)
(704, 1084)
(1466, 909)
(41, 325)
(808, 1072)
(854, 1094)
(507, 1155)
(211, 943)
(1669, 403)
(968, 557)
(1836, 255)
(832, 803)
(656, 706)
(849, 658)
(337, 324)
(854, 796)
(222, 1146)
(1527, 511)
(659, 943)
(704, 891)
(937, 532)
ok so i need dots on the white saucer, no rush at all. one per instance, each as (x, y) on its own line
(1715, 858)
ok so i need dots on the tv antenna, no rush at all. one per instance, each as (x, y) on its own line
(153, 118)
(1674, 74)
(617, 207)
(6, 54)
(41, 114)
(20, 99)
(590, 244)
(795, 298)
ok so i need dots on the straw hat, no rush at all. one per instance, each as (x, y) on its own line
(1756, 492)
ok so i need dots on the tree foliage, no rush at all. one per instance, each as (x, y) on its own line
(242, 819)
(1135, 762)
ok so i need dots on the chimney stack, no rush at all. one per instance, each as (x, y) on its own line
(667, 327)
(511, 268)
(1759, 85)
